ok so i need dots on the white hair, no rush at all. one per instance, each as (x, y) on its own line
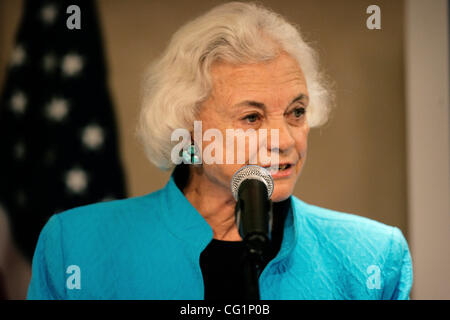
(179, 80)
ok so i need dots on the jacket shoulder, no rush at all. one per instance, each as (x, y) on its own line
(358, 246)
(94, 238)
(105, 211)
(342, 223)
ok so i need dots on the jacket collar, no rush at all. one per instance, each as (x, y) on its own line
(183, 220)
(187, 224)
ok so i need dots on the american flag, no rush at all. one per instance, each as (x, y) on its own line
(58, 136)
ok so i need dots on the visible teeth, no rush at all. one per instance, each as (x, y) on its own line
(272, 168)
(276, 168)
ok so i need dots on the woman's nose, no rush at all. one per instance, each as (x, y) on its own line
(280, 139)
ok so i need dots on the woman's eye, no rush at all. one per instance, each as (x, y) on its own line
(298, 112)
(251, 118)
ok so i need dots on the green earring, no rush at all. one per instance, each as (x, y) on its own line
(191, 155)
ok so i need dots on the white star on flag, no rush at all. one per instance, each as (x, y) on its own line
(18, 56)
(49, 13)
(72, 64)
(19, 102)
(76, 180)
(57, 109)
(92, 136)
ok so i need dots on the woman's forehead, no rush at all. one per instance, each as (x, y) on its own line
(278, 78)
(284, 67)
(280, 72)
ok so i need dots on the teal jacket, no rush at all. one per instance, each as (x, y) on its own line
(148, 247)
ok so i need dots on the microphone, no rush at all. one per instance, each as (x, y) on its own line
(252, 187)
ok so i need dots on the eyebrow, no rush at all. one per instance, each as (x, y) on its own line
(262, 106)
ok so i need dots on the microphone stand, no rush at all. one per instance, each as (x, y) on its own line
(254, 261)
(256, 243)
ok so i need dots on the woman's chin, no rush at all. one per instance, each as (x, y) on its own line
(281, 191)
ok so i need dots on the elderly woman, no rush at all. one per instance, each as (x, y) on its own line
(239, 66)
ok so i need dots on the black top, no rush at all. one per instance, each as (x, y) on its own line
(222, 262)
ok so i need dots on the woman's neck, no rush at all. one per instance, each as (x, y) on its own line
(214, 203)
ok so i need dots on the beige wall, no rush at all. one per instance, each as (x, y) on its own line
(356, 163)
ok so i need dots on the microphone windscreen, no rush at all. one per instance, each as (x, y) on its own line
(251, 172)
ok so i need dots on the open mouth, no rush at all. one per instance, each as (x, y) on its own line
(284, 166)
(280, 167)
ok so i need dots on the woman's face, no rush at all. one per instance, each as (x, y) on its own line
(268, 95)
